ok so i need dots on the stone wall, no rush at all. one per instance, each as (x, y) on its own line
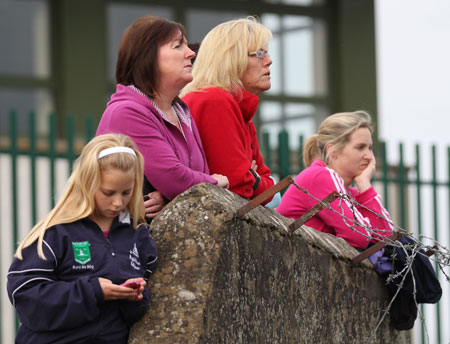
(223, 279)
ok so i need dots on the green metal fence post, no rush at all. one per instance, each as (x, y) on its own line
(418, 191)
(283, 154)
(434, 184)
(300, 153)
(266, 150)
(70, 141)
(402, 187)
(33, 153)
(385, 174)
(89, 128)
(419, 219)
(51, 155)
(14, 155)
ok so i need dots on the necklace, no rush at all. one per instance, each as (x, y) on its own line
(174, 108)
(179, 123)
(184, 117)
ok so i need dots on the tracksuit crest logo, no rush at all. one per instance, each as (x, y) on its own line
(81, 251)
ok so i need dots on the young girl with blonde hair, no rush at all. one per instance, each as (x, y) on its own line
(65, 282)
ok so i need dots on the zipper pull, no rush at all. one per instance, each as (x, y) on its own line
(110, 247)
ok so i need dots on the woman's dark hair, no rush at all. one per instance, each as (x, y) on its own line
(137, 61)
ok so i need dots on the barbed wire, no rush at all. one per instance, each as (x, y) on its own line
(442, 253)
(441, 256)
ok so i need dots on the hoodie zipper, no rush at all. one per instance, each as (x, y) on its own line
(108, 243)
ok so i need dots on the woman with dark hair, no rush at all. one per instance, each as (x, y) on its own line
(153, 65)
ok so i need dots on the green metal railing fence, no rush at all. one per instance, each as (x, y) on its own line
(283, 162)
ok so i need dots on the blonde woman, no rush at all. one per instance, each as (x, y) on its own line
(230, 71)
(65, 282)
(337, 156)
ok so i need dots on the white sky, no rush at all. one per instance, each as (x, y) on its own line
(413, 57)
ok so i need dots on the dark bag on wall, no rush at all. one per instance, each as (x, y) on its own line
(403, 312)
(428, 289)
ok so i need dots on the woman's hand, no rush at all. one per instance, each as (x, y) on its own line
(363, 180)
(254, 167)
(154, 204)
(113, 291)
(222, 181)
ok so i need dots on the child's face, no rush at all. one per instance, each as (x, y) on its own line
(114, 193)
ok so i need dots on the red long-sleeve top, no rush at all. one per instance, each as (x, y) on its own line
(229, 138)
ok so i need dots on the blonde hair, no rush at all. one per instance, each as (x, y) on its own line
(223, 55)
(77, 200)
(335, 130)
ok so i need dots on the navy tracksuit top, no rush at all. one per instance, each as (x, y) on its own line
(59, 300)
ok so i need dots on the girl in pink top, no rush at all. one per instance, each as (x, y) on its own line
(337, 156)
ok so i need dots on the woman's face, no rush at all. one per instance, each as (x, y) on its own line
(256, 78)
(174, 64)
(350, 161)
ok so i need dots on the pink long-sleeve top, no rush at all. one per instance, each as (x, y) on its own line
(173, 160)
(320, 181)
